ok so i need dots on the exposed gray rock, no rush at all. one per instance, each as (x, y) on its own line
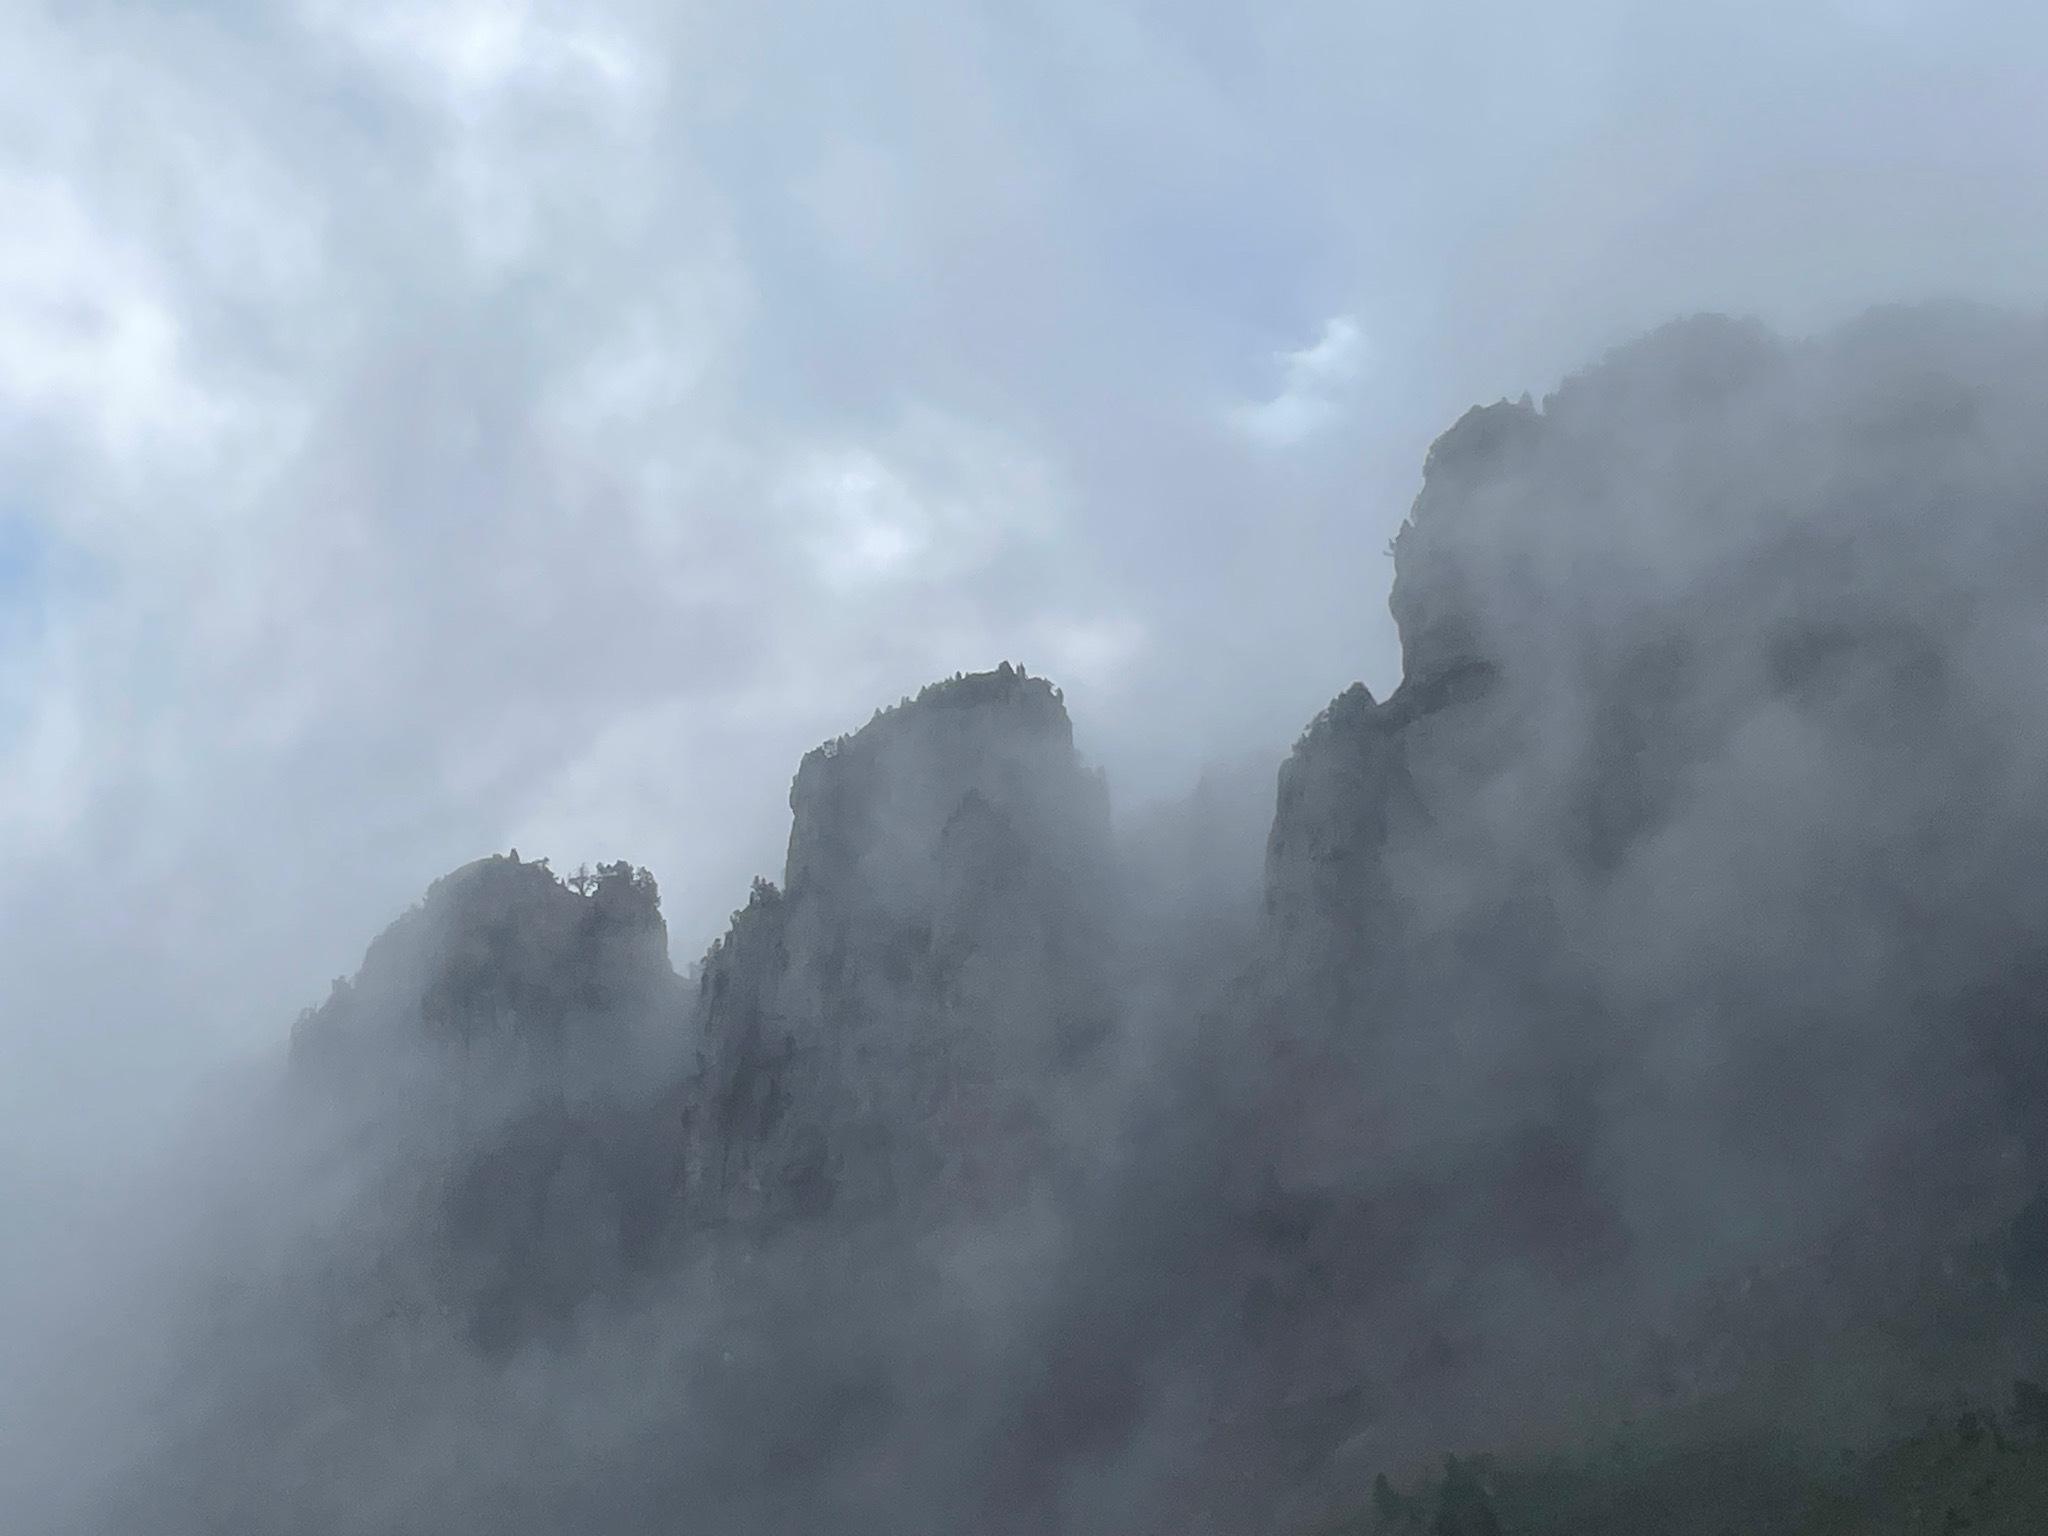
(1618, 948)
(895, 1025)
(499, 1068)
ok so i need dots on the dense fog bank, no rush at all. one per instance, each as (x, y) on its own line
(1640, 1007)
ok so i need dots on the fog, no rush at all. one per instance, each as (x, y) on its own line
(432, 430)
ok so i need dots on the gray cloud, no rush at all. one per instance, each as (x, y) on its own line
(443, 427)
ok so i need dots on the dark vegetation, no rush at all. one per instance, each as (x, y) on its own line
(1967, 1469)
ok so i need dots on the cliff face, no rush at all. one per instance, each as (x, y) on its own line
(1627, 942)
(898, 1031)
(895, 1022)
(497, 1065)
(508, 968)
(1724, 625)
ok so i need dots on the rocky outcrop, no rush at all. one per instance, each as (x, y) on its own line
(899, 1030)
(1693, 834)
(510, 968)
(498, 1065)
(893, 1025)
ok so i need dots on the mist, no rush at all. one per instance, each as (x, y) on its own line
(430, 432)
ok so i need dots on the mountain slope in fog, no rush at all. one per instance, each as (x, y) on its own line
(1643, 1011)
(1654, 978)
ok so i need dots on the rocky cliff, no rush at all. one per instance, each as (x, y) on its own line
(507, 967)
(1651, 930)
(901, 1030)
(498, 1069)
(895, 1023)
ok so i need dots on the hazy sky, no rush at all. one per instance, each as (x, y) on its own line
(429, 426)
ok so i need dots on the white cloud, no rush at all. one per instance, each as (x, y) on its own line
(1096, 652)
(864, 525)
(87, 339)
(933, 500)
(1315, 383)
(489, 418)
(468, 52)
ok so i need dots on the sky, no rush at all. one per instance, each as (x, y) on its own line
(430, 427)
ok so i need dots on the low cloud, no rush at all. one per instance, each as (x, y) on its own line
(1315, 388)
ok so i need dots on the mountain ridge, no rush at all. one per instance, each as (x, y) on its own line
(1630, 994)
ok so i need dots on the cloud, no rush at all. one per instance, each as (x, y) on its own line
(444, 426)
(470, 52)
(852, 193)
(461, 423)
(1095, 653)
(934, 500)
(87, 342)
(1315, 383)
